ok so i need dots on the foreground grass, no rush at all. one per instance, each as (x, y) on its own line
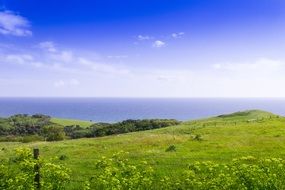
(256, 133)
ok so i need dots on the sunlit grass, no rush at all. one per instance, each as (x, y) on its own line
(69, 122)
(256, 133)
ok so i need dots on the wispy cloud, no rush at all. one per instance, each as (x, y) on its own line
(158, 44)
(146, 37)
(63, 56)
(117, 56)
(56, 54)
(177, 35)
(63, 61)
(68, 83)
(48, 45)
(261, 64)
(13, 24)
(102, 67)
(18, 58)
(167, 78)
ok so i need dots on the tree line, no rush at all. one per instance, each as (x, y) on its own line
(105, 129)
(38, 127)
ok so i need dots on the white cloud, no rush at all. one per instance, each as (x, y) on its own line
(74, 82)
(48, 45)
(117, 56)
(12, 24)
(141, 37)
(217, 66)
(261, 64)
(64, 62)
(59, 83)
(55, 54)
(22, 59)
(158, 44)
(70, 82)
(18, 58)
(269, 62)
(63, 56)
(167, 78)
(102, 67)
(261, 77)
(177, 35)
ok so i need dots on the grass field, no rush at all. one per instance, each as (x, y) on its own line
(256, 133)
(68, 122)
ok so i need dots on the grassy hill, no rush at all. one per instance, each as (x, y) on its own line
(69, 122)
(220, 139)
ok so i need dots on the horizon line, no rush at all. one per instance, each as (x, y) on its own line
(140, 97)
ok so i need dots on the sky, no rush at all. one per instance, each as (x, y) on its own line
(142, 48)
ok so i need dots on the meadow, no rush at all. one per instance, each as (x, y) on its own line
(68, 122)
(169, 151)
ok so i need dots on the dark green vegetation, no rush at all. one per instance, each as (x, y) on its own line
(25, 128)
(127, 126)
(172, 156)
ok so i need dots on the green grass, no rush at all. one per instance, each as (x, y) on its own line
(68, 122)
(257, 133)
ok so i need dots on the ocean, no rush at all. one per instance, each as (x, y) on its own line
(118, 109)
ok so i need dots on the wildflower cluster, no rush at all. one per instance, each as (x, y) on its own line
(118, 173)
(18, 172)
(244, 173)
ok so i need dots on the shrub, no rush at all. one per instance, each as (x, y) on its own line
(62, 157)
(171, 148)
(197, 137)
(53, 133)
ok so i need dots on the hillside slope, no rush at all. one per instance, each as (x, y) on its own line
(69, 122)
(220, 139)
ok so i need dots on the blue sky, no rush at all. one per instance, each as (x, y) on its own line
(142, 48)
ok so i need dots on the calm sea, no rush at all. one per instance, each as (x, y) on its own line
(117, 109)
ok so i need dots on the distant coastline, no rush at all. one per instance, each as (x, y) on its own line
(118, 109)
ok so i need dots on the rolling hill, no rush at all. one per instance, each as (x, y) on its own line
(169, 150)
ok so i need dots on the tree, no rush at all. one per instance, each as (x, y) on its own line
(53, 133)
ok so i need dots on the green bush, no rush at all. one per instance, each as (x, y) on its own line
(53, 133)
(197, 137)
(171, 148)
(62, 157)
